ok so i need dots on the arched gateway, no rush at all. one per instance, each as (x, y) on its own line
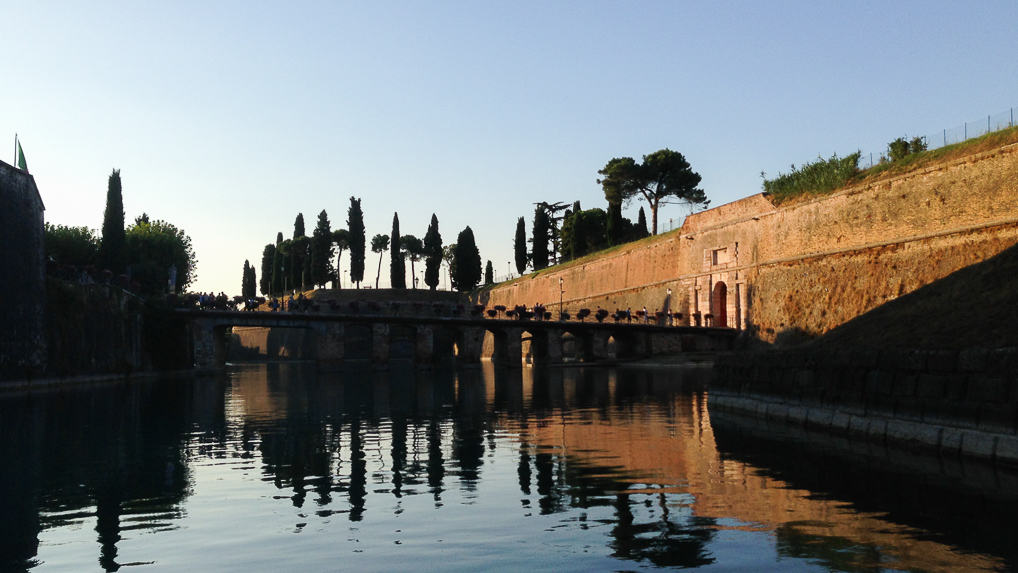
(719, 304)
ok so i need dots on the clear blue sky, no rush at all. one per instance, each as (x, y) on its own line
(229, 118)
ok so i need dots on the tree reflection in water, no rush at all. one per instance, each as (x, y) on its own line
(627, 457)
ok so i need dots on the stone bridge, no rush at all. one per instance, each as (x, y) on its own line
(342, 338)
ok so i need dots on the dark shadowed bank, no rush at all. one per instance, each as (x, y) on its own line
(934, 370)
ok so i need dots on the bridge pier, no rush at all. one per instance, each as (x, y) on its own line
(424, 348)
(330, 344)
(596, 346)
(469, 344)
(208, 345)
(512, 349)
(551, 348)
(380, 342)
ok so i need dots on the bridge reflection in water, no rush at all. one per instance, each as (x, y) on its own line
(577, 468)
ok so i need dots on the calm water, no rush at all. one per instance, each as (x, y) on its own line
(276, 468)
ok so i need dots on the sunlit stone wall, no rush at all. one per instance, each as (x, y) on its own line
(800, 269)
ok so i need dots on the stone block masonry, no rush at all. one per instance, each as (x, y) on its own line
(800, 269)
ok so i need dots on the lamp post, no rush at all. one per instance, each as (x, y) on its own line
(508, 270)
(560, 291)
(668, 309)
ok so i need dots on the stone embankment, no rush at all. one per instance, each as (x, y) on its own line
(945, 402)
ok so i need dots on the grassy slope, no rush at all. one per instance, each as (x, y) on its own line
(916, 161)
(974, 306)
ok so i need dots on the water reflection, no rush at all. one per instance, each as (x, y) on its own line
(587, 468)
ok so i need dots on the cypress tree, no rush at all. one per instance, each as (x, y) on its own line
(520, 247)
(252, 283)
(279, 260)
(298, 226)
(111, 250)
(466, 265)
(397, 265)
(322, 251)
(489, 274)
(539, 250)
(279, 238)
(268, 256)
(432, 254)
(641, 225)
(358, 243)
(578, 244)
(247, 284)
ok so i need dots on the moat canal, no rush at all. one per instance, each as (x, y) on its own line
(277, 468)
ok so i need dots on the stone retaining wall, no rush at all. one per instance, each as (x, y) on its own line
(947, 402)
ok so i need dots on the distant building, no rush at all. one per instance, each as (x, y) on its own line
(22, 275)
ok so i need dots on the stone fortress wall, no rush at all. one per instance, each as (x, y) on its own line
(806, 267)
(22, 278)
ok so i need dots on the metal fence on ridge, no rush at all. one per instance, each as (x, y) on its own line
(948, 136)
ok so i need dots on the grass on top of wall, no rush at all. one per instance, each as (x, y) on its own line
(826, 176)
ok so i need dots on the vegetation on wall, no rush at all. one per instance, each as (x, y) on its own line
(901, 148)
(821, 176)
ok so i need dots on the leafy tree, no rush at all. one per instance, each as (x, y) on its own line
(432, 254)
(413, 249)
(539, 248)
(520, 246)
(322, 251)
(662, 175)
(397, 265)
(268, 257)
(355, 226)
(152, 248)
(341, 238)
(379, 244)
(298, 226)
(76, 246)
(588, 232)
(305, 272)
(901, 148)
(489, 274)
(466, 271)
(111, 250)
(641, 225)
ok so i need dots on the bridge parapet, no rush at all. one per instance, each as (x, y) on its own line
(426, 340)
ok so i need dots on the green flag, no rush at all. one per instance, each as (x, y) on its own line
(21, 159)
